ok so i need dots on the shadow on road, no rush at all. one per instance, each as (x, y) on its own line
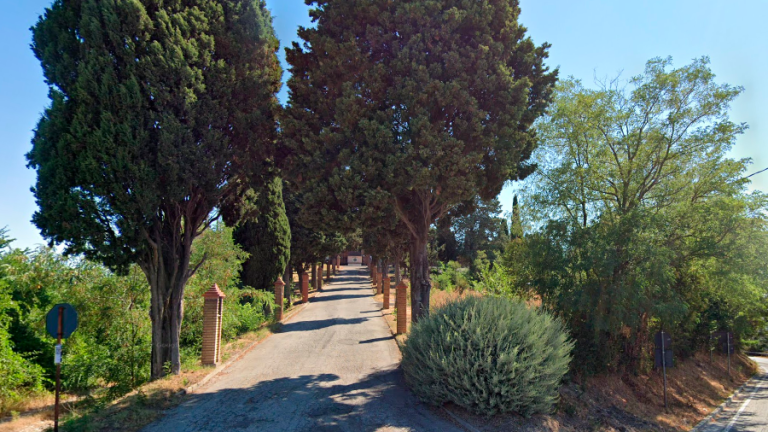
(305, 403)
(319, 324)
(334, 297)
(381, 339)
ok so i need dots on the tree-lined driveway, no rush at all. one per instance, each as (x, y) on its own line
(334, 367)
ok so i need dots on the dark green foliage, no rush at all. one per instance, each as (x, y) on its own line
(158, 108)
(267, 240)
(312, 238)
(516, 231)
(489, 355)
(420, 105)
(479, 227)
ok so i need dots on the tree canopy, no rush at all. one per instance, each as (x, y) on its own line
(646, 223)
(155, 109)
(422, 104)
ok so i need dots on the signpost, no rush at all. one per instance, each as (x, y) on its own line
(60, 322)
(663, 356)
(726, 344)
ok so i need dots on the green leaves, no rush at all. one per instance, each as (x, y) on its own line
(159, 111)
(639, 204)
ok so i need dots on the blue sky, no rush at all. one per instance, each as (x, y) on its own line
(589, 38)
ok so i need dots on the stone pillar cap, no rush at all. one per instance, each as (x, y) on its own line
(214, 292)
(279, 281)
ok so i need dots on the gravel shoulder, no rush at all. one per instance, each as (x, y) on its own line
(333, 367)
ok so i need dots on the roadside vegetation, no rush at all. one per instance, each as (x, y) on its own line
(165, 164)
(108, 355)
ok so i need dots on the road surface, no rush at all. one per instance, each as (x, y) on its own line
(334, 367)
(749, 411)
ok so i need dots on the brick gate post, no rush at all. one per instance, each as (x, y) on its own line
(304, 287)
(386, 292)
(401, 304)
(213, 306)
(279, 293)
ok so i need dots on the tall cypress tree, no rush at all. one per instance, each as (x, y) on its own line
(427, 102)
(516, 231)
(267, 239)
(157, 107)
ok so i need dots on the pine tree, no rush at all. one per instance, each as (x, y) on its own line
(267, 239)
(156, 109)
(422, 104)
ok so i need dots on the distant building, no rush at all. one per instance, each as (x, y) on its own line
(352, 257)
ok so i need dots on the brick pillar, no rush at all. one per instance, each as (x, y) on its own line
(386, 292)
(279, 290)
(304, 287)
(379, 277)
(313, 276)
(212, 310)
(401, 304)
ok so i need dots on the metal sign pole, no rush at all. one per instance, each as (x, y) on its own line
(57, 360)
(728, 338)
(664, 367)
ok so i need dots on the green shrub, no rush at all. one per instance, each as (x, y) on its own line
(488, 355)
(450, 276)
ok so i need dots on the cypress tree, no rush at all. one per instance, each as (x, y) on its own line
(426, 102)
(517, 224)
(267, 239)
(157, 108)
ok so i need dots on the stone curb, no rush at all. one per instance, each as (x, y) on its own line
(705, 421)
(240, 354)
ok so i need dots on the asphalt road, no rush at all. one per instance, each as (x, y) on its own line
(749, 412)
(334, 367)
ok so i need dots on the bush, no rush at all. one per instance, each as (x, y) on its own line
(488, 355)
(450, 276)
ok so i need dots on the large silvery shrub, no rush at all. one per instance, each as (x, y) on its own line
(488, 355)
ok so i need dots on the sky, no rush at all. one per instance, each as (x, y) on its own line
(589, 38)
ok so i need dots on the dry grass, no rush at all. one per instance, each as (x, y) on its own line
(612, 402)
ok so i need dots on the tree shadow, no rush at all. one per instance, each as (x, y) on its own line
(321, 402)
(298, 326)
(334, 297)
(381, 339)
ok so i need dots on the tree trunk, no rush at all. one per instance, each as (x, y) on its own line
(167, 271)
(420, 280)
(398, 277)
